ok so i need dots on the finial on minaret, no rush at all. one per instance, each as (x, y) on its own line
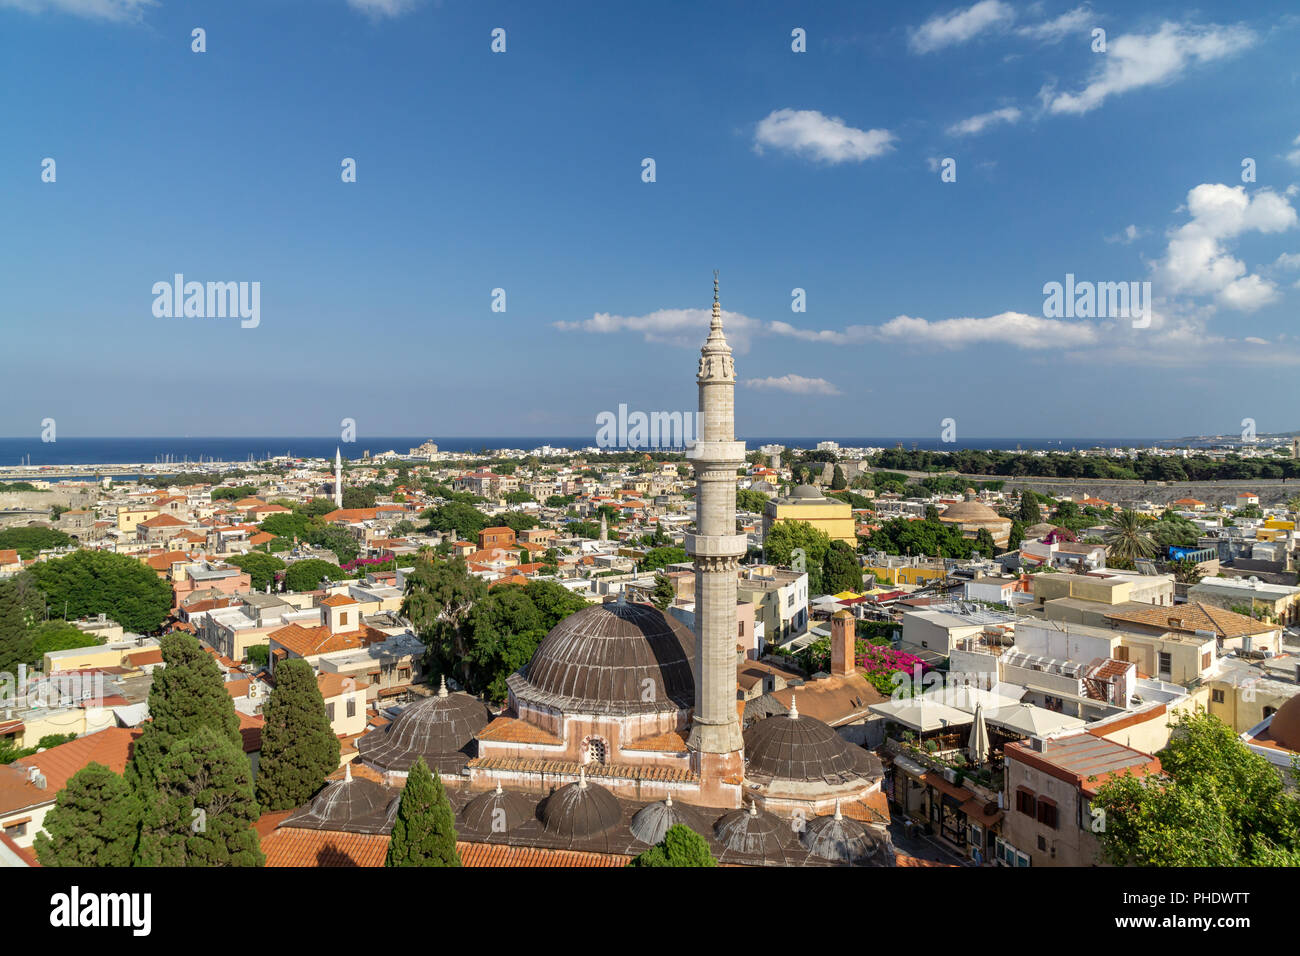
(442, 686)
(838, 815)
(794, 707)
(753, 809)
(668, 800)
(499, 790)
(347, 772)
(716, 323)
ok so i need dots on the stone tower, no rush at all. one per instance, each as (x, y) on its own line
(716, 549)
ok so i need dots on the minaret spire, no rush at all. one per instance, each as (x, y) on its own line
(338, 477)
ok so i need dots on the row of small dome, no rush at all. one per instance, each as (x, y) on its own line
(583, 810)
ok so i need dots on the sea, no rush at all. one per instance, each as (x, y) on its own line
(184, 450)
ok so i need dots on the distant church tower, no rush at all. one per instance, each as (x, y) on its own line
(338, 478)
(716, 550)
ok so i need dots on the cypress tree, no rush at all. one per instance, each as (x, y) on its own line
(201, 809)
(681, 846)
(424, 833)
(95, 821)
(1029, 512)
(298, 747)
(187, 694)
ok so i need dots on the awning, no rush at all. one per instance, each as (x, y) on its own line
(1030, 721)
(922, 715)
(976, 811)
(933, 779)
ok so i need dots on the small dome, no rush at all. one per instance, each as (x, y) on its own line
(497, 811)
(806, 491)
(437, 728)
(972, 512)
(352, 805)
(840, 839)
(580, 810)
(754, 832)
(803, 749)
(652, 821)
(615, 658)
(1285, 726)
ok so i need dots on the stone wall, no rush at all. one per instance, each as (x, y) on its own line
(1271, 492)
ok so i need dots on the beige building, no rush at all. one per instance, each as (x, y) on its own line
(780, 600)
(806, 503)
(1050, 785)
(129, 516)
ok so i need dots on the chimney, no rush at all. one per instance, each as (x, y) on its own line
(843, 644)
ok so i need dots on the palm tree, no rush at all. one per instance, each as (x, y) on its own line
(1127, 537)
(1187, 571)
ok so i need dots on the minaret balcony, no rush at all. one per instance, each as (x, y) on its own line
(723, 452)
(716, 545)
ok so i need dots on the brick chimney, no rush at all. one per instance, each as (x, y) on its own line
(843, 644)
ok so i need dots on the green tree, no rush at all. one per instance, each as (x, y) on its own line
(840, 569)
(21, 606)
(1030, 514)
(439, 595)
(316, 508)
(1216, 804)
(681, 846)
(799, 545)
(101, 582)
(261, 568)
(358, 497)
(29, 542)
(664, 593)
(201, 809)
(1127, 537)
(187, 695)
(287, 525)
(747, 499)
(464, 520)
(58, 636)
(1187, 571)
(334, 538)
(657, 558)
(307, 575)
(299, 749)
(95, 821)
(424, 833)
(984, 543)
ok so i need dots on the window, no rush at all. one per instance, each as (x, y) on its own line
(1270, 711)
(1025, 801)
(343, 619)
(1047, 813)
(329, 711)
(1217, 696)
(1205, 660)
(1042, 844)
(352, 706)
(595, 750)
(1166, 663)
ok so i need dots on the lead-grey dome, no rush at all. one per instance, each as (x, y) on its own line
(806, 491)
(839, 839)
(615, 658)
(497, 811)
(652, 821)
(802, 749)
(754, 832)
(350, 805)
(580, 810)
(438, 728)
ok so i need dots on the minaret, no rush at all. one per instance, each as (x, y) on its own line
(604, 528)
(716, 549)
(338, 478)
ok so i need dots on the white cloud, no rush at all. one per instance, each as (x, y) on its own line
(1197, 262)
(1055, 30)
(1288, 260)
(1135, 60)
(1293, 157)
(794, 384)
(1006, 328)
(93, 9)
(384, 8)
(1130, 234)
(960, 26)
(685, 328)
(816, 136)
(979, 122)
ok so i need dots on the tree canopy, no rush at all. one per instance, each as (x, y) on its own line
(424, 833)
(101, 582)
(299, 749)
(681, 846)
(95, 821)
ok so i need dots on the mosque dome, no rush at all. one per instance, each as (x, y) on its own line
(615, 658)
(350, 804)
(754, 832)
(652, 821)
(496, 811)
(437, 728)
(838, 838)
(580, 810)
(972, 512)
(807, 491)
(802, 749)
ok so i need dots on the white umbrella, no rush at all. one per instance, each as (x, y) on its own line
(978, 743)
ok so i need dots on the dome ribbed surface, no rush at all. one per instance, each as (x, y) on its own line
(497, 811)
(805, 750)
(580, 810)
(436, 728)
(354, 806)
(757, 834)
(1285, 726)
(842, 840)
(616, 658)
(652, 821)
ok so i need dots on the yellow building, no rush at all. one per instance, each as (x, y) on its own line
(128, 516)
(806, 503)
(915, 576)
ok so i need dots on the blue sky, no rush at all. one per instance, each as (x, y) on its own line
(522, 170)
